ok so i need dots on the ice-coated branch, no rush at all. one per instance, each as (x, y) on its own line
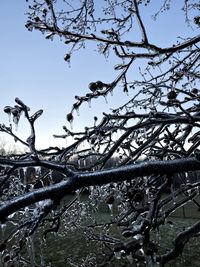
(76, 181)
(179, 243)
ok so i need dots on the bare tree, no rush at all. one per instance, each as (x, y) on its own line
(132, 157)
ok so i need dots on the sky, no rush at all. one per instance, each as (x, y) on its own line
(33, 69)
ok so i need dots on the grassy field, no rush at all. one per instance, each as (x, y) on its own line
(61, 251)
(66, 247)
(74, 246)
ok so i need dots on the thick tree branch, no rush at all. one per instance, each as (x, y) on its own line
(80, 180)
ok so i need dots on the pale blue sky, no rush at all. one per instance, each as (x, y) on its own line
(32, 68)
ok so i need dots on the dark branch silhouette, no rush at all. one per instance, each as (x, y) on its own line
(142, 158)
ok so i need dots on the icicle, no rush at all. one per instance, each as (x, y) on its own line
(3, 226)
(26, 211)
(51, 176)
(173, 194)
(31, 251)
(71, 124)
(110, 206)
(24, 170)
(95, 120)
(78, 194)
(189, 191)
(9, 117)
(79, 163)
(105, 97)
(187, 177)
(25, 176)
(38, 171)
(42, 262)
(16, 121)
(84, 163)
(89, 102)
(77, 111)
